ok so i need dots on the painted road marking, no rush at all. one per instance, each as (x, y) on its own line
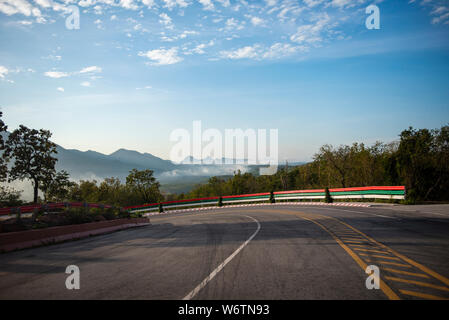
(370, 250)
(362, 212)
(383, 286)
(422, 275)
(419, 283)
(333, 226)
(203, 283)
(389, 263)
(378, 256)
(422, 295)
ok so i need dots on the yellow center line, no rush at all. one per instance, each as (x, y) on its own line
(389, 263)
(383, 286)
(422, 295)
(419, 283)
(314, 218)
(408, 260)
(422, 275)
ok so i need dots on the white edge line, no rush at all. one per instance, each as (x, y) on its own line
(203, 283)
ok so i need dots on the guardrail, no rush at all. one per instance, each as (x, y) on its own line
(48, 206)
(376, 192)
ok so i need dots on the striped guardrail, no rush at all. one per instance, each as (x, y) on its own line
(49, 206)
(376, 192)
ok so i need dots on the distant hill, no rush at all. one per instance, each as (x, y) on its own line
(92, 164)
(88, 165)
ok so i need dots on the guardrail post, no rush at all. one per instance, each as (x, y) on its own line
(19, 216)
(35, 212)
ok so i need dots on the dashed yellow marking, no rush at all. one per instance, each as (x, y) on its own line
(408, 260)
(383, 286)
(378, 256)
(391, 263)
(422, 275)
(419, 283)
(368, 243)
(422, 295)
(370, 250)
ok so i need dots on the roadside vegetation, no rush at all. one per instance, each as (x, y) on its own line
(419, 160)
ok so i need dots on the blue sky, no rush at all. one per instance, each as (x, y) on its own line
(136, 70)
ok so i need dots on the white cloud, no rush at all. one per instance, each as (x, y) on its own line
(233, 24)
(85, 84)
(11, 7)
(207, 5)
(84, 3)
(225, 3)
(56, 74)
(165, 20)
(90, 69)
(3, 72)
(256, 21)
(241, 53)
(170, 4)
(341, 3)
(162, 56)
(128, 4)
(281, 50)
(148, 3)
(313, 3)
(60, 89)
(310, 33)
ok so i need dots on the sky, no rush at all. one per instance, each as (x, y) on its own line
(135, 70)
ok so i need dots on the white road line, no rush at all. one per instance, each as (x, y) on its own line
(222, 265)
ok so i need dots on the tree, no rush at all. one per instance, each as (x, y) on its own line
(33, 152)
(3, 166)
(9, 197)
(144, 185)
(56, 187)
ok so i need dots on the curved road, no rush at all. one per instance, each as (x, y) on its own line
(264, 252)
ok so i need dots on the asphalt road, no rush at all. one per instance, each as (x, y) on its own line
(270, 252)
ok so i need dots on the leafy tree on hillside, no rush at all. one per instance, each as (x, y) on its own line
(56, 187)
(32, 152)
(145, 185)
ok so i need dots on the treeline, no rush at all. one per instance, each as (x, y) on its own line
(419, 160)
(29, 154)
